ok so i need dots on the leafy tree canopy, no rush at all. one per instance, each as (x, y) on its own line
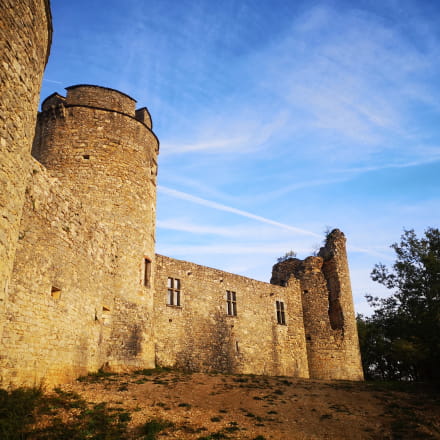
(402, 338)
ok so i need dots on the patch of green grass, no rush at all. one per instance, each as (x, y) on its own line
(219, 435)
(140, 381)
(240, 379)
(153, 427)
(184, 405)
(17, 411)
(160, 382)
(95, 376)
(20, 409)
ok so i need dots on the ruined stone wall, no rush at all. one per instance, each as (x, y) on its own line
(200, 335)
(25, 37)
(329, 321)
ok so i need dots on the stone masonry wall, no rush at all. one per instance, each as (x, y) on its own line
(56, 327)
(199, 335)
(329, 321)
(64, 316)
(25, 37)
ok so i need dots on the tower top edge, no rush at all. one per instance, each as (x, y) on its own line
(94, 86)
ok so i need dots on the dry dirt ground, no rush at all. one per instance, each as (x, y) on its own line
(218, 406)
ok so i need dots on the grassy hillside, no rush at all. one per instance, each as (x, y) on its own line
(158, 404)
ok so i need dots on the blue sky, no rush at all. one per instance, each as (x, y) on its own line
(277, 119)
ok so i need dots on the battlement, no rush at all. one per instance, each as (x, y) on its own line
(101, 97)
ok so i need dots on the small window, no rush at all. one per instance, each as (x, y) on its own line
(281, 317)
(231, 303)
(147, 272)
(55, 292)
(173, 286)
(86, 156)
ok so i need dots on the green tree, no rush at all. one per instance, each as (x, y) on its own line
(405, 328)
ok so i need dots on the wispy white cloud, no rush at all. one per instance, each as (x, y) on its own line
(259, 231)
(244, 137)
(220, 207)
(227, 249)
(52, 81)
(433, 158)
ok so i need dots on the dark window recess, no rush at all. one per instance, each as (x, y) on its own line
(173, 286)
(281, 317)
(86, 156)
(283, 283)
(147, 272)
(55, 292)
(231, 303)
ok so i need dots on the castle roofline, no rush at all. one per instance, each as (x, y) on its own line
(99, 87)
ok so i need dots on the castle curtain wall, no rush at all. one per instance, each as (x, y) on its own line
(200, 335)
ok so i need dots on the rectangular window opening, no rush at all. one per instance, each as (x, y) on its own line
(55, 292)
(281, 316)
(86, 156)
(147, 272)
(231, 303)
(173, 288)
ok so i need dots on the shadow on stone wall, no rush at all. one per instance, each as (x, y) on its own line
(213, 349)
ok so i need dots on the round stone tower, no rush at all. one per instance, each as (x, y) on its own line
(105, 152)
(25, 37)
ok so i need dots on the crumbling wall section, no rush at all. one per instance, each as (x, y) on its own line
(199, 335)
(329, 320)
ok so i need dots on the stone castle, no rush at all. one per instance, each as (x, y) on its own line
(81, 287)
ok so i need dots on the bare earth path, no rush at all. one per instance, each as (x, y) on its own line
(217, 406)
